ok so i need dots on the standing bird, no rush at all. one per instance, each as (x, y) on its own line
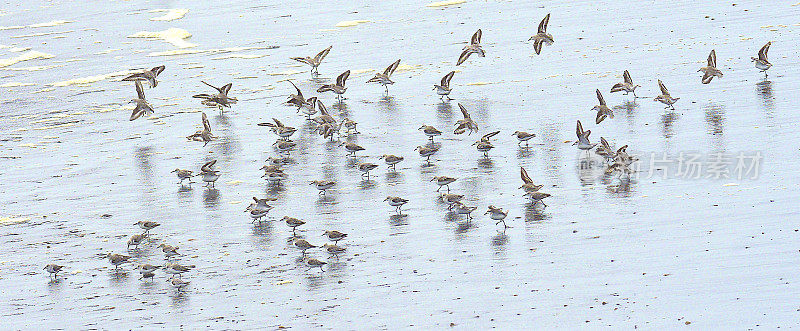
(537, 197)
(523, 136)
(430, 131)
(384, 78)
(177, 269)
(146, 75)
(169, 251)
(366, 167)
(602, 109)
(183, 175)
(322, 185)
(583, 138)
(465, 124)
(147, 270)
(443, 181)
(209, 174)
(626, 85)
(117, 259)
(351, 148)
(339, 88)
(334, 235)
(485, 145)
(313, 263)
(462, 209)
(397, 203)
(498, 215)
(427, 152)
(53, 269)
(315, 61)
(203, 135)
(303, 245)
(527, 183)
(665, 97)
(761, 61)
(392, 160)
(473, 47)
(142, 107)
(293, 223)
(178, 283)
(443, 89)
(221, 99)
(542, 37)
(136, 240)
(146, 226)
(710, 71)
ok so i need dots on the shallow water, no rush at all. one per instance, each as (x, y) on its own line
(657, 252)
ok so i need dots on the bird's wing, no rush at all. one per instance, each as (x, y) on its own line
(476, 38)
(627, 77)
(299, 94)
(322, 109)
(712, 59)
(157, 70)
(524, 175)
(663, 88)
(600, 97)
(464, 56)
(391, 68)
(604, 143)
(212, 86)
(139, 90)
(537, 46)
(321, 55)
(206, 125)
(342, 78)
(463, 110)
(208, 165)
(489, 135)
(579, 129)
(277, 122)
(225, 88)
(446, 79)
(762, 53)
(543, 24)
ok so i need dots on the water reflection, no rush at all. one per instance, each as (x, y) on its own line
(764, 90)
(499, 242)
(715, 122)
(211, 198)
(667, 123)
(533, 213)
(444, 113)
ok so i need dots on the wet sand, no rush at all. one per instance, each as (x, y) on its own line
(657, 253)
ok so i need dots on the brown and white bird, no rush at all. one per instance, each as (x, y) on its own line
(527, 183)
(339, 88)
(392, 160)
(542, 37)
(297, 99)
(474, 47)
(466, 123)
(210, 175)
(443, 181)
(183, 175)
(53, 269)
(203, 135)
(283, 132)
(315, 61)
(366, 167)
(147, 75)
(397, 203)
(313, 263)
(117, 259)
(220, 99)
(142, 106)
(523, 136)
(665, 97)
(334, 235)
(626, 85)
(485, 145)
(147, 226)
(385, 77)
(430, 131)
(602, 109)
(710, 71)
(583, 138)
(443, 88)
(762, 62)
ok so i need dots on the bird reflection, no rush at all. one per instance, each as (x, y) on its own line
(315, 280)
(533, 213)
(764, 90)
(464, 227)
(394, 177)
(398, 220)
(444, 113)
(485, 163)
(524, 152)
(623, 187)
(667, 122)
(499, 241)
(211, 197)
(366, 184)
(185, 192)
(715, 120)
(388, 104)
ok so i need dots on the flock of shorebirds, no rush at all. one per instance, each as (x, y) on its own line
(618, 161)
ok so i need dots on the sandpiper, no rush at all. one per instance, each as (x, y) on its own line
(602, 109)
(178, 283)
(665, 97)
(53, 269)
(327, 130)
(351, 148)
(339, 88)
(315, 61)
(392, 160)
(292, 222)
(169, 250)
(284, 146)
(427, 152)
(297, 99)
(542, 37)
(334, 235)
(146, 75)
(117, 259)
(462, 209)
(605, 150)
(177, 269)
(147, 270)
(626, 85)
(334, 249)
(761, 62)
(324, 117)
(384, 78)
(443, 89)
(537, 197)
(309, 108)
(527, 183)
(323, 185)
(396, 202)
(523, 136)
(210, 175)
(142, 106)
(313, 263)
(259, 208)
(220, 99)
(365, 167)
(203, 135)
(183, 175)
(430, 131)
(465, 124)
(274, 176)
(135, 240)
(451, 199)
(710, 71)
(349, 126)
(303, 245)
(443, 181)
(284, 132)
(484, 145)
(146, 226)
(583, 138)
(474, 47)
(498, 215)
